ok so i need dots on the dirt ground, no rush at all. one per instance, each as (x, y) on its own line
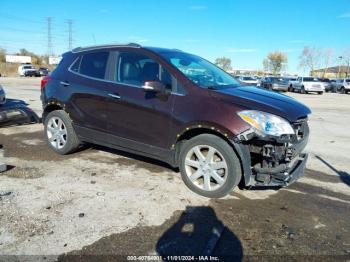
(105, 202)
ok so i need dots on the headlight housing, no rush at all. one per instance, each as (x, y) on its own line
(266, 124)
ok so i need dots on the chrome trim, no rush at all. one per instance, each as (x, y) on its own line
(114, 96)
(110, 81)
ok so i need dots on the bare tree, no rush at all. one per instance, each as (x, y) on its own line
(309, 59)
(346, 60)
(327, 55)
(224, 63)
(2, 55)
(275, 62)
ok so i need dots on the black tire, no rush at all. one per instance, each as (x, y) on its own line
(72, 141)
(234, 172)
(342, 90)
(302, 90)
(320, 93)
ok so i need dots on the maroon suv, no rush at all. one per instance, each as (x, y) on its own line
(179, 108)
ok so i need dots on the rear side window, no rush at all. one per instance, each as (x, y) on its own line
(92, 64)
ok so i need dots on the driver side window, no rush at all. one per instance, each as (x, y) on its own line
(135, 69)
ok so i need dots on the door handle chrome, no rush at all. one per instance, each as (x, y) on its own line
(114, 96)
(64, 83)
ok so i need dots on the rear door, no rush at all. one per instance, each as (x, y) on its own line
(140, 119)
(87, 86)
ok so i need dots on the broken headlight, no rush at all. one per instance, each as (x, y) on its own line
(265, 123)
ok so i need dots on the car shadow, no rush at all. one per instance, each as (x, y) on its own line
(133, 156)
(199, 232)
(344, 176)
(17, 112)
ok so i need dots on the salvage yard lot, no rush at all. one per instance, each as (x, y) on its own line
(103, 201)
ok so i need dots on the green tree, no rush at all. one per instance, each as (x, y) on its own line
(224, 63)
(275, 62)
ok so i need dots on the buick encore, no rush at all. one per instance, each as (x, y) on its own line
(178, 108)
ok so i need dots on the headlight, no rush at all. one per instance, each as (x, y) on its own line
(266, 124)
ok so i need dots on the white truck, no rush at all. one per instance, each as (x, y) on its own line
(27, 70)
(308, 84)
(343, 85)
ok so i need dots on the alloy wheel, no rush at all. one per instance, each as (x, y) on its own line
(206, 168)
(56, 132)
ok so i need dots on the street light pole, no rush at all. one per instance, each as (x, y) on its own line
(340, 58)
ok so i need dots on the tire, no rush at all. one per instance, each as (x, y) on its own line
(342, 90)
(320, 93)
(227, 163)
(302, 90)
(64, 142)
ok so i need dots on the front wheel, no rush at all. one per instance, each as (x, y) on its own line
(60, 134)
(342, 90)
(209, 166)
(320, 93)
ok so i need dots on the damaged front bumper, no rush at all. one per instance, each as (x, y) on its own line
(272, 161)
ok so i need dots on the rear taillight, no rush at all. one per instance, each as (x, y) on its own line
(44, 81)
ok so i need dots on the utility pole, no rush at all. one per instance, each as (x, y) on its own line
(70, 33)
(49, 36)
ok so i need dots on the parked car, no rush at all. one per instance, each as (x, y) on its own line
(291, 81)
(326, 84)
(28, 70)
(333, 83)
(43, 71)
(275, 83)
(147, 101)
(308, 84)
(248, 80)
(343, 85)
(2, 96)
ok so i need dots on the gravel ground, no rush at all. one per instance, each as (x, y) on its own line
(102, 201)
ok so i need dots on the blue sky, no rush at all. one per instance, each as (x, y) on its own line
(245, 31)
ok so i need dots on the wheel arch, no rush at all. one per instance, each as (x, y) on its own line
(228, 137)
(51, 106)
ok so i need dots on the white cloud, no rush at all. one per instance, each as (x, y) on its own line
(197, 7)
(241, 50)
(345, 15)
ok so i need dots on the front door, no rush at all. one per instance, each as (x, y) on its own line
(141, 118)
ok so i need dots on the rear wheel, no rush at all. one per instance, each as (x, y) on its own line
(60, 134)
(342, 90)
(302, 90)
(209, 166)
(320, 93)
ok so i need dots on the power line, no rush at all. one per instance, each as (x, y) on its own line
(70, 33)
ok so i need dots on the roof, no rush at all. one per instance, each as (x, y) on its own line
(333, 69)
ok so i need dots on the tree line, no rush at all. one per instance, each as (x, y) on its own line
(36, 59)
(310, 59)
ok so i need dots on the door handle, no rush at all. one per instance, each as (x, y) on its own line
(65, 83)
(116, 96)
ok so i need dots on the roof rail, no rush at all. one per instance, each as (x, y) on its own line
(87, 48)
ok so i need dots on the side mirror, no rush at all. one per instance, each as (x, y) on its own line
(155, 86)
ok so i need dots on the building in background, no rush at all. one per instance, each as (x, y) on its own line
(332, 72)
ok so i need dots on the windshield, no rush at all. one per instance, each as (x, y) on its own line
(310, 79)
(28, 67)
(325, 80)
(348, 80)
(200, 71)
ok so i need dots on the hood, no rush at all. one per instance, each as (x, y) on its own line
(253, 98)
